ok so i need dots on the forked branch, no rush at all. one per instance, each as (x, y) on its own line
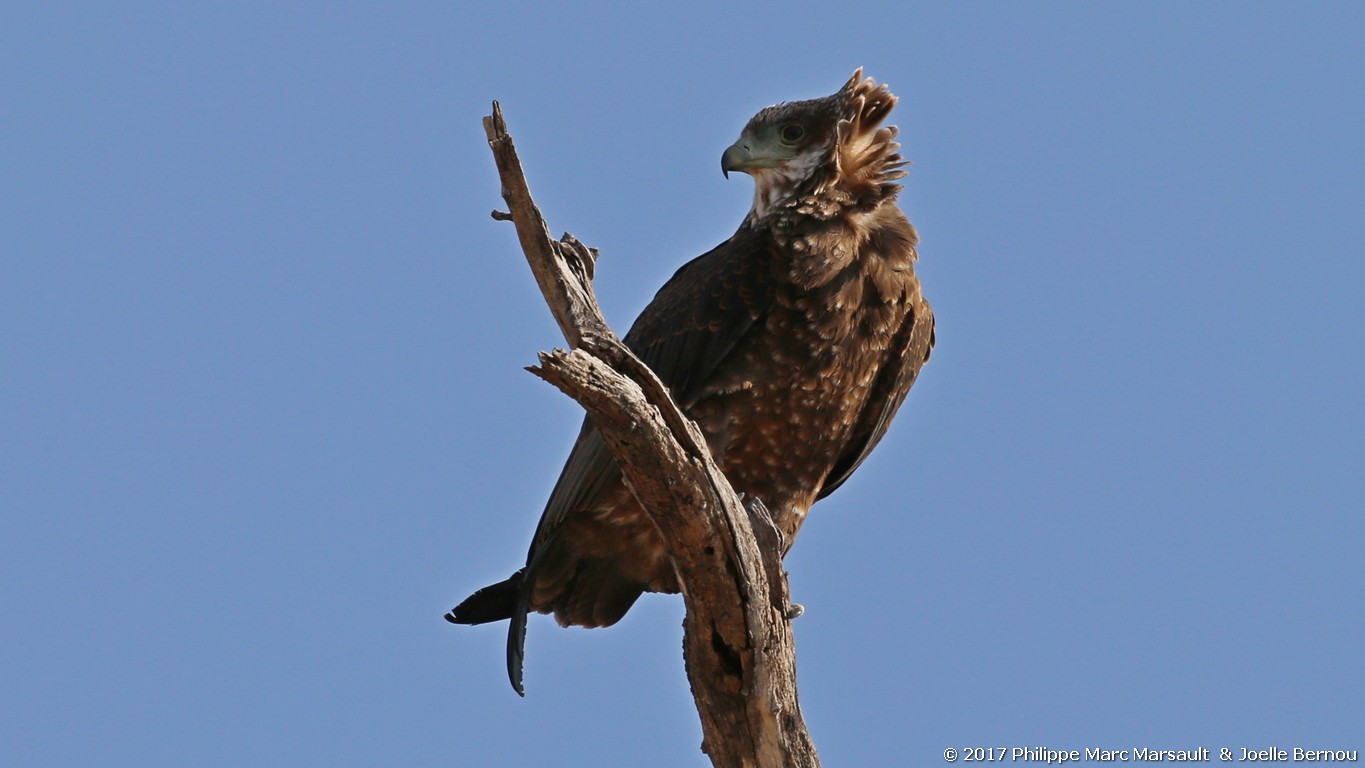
(737, 644)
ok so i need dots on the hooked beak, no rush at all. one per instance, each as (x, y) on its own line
(738, 157)
(748, 155)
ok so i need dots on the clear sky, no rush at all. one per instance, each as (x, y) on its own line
(263, 417)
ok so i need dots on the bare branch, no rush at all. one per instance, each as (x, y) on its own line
(737, 645)
(557, 265)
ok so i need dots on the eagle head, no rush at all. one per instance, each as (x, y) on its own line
(834, 147)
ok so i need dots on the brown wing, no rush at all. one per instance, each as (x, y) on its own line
(703, 311)
(683, 335)
(910, 350)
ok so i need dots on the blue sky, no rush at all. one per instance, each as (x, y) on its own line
(263, 416)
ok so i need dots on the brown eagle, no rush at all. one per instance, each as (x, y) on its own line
(791, 344)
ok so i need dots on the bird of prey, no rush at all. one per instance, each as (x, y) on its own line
(792, 345)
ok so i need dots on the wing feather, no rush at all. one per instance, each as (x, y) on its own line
(683, 335)
(913, 342)
(688, 330)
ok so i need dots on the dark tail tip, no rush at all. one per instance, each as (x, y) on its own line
(494, 602)
(516, 651)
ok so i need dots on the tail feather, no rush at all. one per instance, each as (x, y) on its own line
(494, 602)
(581, 591)
(516, 641)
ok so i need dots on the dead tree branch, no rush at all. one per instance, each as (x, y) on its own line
(737, 645)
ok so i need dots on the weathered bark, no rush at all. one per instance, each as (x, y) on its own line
(737, 643)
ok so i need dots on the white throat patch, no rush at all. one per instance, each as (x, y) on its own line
(773, 186)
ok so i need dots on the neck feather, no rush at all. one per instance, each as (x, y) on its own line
(775, 186)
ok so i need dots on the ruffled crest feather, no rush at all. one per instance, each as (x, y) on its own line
(866, 158)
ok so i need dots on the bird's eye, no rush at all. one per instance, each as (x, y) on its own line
(792, 133)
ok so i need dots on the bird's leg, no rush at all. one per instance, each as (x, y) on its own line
(772, 544)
